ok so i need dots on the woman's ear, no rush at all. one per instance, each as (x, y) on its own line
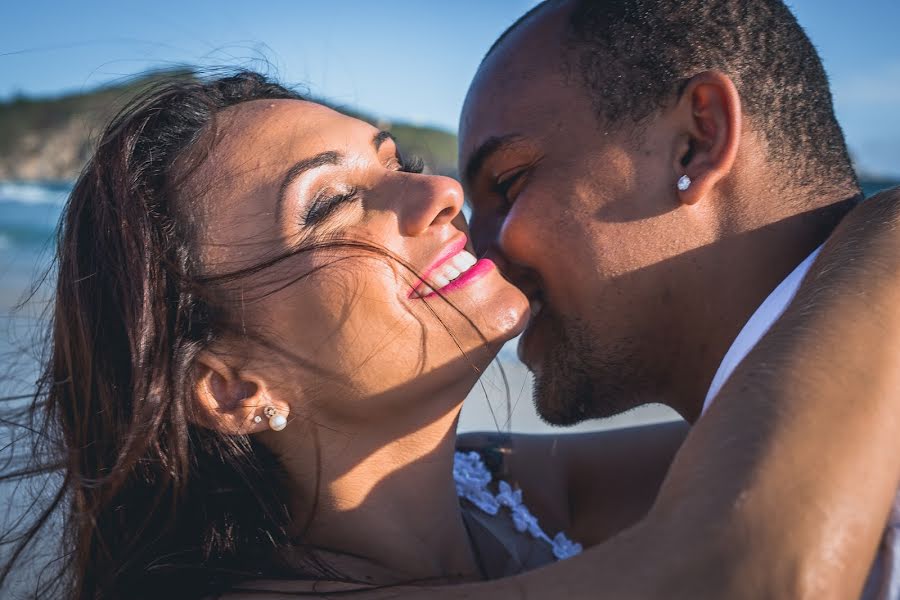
(709, 115)
(231, 402)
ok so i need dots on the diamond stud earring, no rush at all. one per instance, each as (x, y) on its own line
(684, 182)
(276, 422)
(257, 419)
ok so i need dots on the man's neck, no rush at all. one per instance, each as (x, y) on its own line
(746, 267)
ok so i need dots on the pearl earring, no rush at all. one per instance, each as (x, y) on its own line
(276, 422)
(684, 182)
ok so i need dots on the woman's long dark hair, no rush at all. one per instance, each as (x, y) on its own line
(151, 505)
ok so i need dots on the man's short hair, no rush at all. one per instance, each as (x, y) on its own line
(633, 55)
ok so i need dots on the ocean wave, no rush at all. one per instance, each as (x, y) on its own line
(34, 192)
(28, 240)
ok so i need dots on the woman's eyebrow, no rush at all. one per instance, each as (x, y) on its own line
(299, 168)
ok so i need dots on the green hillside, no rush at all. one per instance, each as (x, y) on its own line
(52, 138)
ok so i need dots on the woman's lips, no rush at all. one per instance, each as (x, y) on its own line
(451, 263)
(457, 245)
(473, 273)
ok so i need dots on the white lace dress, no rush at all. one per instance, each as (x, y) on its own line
(473, 481)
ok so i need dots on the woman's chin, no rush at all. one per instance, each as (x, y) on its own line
(482, 318)
(512, 322)
(505, 317)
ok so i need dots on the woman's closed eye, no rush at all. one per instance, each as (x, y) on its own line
(326, 203)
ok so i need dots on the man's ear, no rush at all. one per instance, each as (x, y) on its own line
(229, 401)
(708, 112)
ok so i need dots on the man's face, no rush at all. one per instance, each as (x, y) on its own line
(586, 223)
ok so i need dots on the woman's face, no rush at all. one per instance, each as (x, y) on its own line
(355, 335)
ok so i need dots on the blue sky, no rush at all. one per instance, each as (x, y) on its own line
(397, 59)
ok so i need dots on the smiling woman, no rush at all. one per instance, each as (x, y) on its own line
(256, 346)
(265, 322)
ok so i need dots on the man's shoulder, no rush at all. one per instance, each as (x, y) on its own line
(862, 251)
(877, 218)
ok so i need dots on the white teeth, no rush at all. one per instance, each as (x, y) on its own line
(447, 272)
(463, 261)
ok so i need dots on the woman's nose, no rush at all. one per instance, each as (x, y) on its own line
(431, 200)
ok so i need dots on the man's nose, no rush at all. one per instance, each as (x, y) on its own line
(487, 237)
(435, 201)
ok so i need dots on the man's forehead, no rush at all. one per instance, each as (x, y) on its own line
(515, 84)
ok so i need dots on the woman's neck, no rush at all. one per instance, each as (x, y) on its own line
(384, 496)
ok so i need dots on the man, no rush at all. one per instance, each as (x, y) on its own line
(648, 173)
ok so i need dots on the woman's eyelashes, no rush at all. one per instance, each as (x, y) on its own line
(326, 203)
(413, 164)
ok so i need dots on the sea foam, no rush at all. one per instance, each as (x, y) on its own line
(34, 193)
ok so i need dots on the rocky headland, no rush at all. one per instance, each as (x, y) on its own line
(50, 139)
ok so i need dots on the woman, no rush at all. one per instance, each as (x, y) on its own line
(265, 323)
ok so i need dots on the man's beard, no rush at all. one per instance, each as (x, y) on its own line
(582, 378)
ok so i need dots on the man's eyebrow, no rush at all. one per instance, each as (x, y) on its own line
(319, 160)
(381, 137)
(485, 150)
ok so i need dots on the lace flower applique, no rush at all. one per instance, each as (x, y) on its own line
(472, 479)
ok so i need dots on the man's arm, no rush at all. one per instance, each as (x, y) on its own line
(799, 457)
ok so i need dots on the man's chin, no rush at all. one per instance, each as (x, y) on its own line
(569, 396)
(560, 405)
(575, 377)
